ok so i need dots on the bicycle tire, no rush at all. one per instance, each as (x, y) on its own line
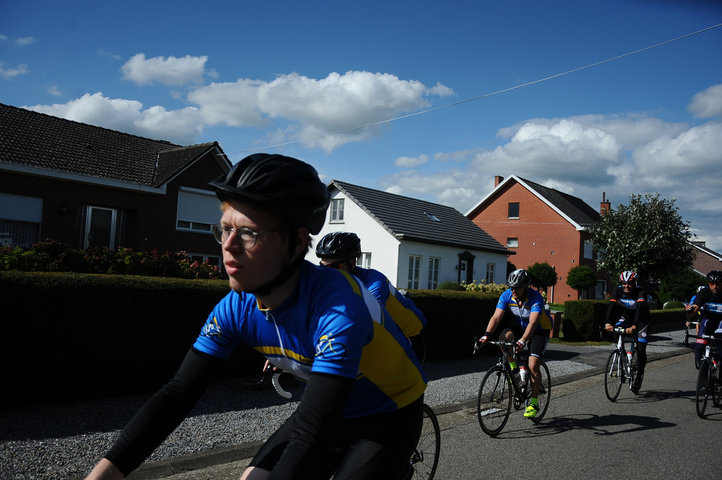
(686, 338)
(545, 392)
(426, 455)
(613, 376)
(702, 392)
(715, 387)
(493, 405)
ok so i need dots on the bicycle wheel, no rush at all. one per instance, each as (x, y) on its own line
(715, 388)
(493, 405)
(613, 376)
(426, 456)
(545, 392)
(702, 387)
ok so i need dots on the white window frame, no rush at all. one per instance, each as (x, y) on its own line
(490, 271)
(434, 265)
(518, 210)
(414, 267)
(90, 210)
(197, 210)
(337, 208)
(512, 242)
(364, 260)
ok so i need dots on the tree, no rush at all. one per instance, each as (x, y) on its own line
(543, 275)
(581, 278)
(680, 286)
(647, 236)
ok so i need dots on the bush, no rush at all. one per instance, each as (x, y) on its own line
(483, 287)
(450, 286)
(53, 256)
(672, 304)
(583, 319)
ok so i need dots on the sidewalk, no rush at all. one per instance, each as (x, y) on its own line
(570, 362)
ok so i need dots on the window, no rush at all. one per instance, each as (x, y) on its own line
(337, 210)
(588, 252)
(200, 258)
(512, 243)
(414, 264)
(20, 218)
(434, 272)
(432, 217)
(102, 227)
(513, 210)
(198, 210)
(364, 261)
(490, 267)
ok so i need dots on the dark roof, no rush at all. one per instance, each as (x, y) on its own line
(32, 139)
(574, 208)
(703, 248)
(411, 219)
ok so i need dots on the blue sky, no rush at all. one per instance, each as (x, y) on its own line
(427, 99)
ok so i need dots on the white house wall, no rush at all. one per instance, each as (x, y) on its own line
(391, 257)
(447, 266)
(383, 246)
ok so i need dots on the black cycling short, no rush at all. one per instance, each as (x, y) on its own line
(371, 447)
(538, 342)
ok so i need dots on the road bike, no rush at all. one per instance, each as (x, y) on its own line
(621, 364)
(501, 389)
(424, 460)
(708, 381)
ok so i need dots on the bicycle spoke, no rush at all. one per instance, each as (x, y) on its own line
(494, 401)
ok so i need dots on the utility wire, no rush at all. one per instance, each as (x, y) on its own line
(497, 92)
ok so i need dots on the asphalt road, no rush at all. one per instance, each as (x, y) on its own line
(655, 434)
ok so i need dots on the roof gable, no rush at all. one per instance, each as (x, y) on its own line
(411, 219)
(39, 141)
(571, 208)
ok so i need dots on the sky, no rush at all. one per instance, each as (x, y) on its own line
(426, 99)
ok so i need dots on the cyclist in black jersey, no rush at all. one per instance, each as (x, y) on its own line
(708, 303)
(628, 308)
(358, 418)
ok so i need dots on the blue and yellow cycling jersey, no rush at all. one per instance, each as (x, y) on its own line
(534, 302)
(330, 324)
(404, 312)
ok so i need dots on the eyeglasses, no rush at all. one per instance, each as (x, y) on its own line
(627, 284)
(336, 265)
(245, 237)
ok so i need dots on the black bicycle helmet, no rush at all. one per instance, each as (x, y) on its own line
(339, 245)
(715, 276)
(518, 278)
(285, 186)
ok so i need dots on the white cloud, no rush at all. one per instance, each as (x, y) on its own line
(179, 126)
(25, 41)
(323, 113)
(169, 71)
(9, 73)
(53, 90)
(411, 162)
(708, 103)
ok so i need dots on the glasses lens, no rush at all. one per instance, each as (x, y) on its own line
(218, 233)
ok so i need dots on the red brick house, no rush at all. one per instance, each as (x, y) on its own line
(541, 224)
(705, 259)
(85, 185)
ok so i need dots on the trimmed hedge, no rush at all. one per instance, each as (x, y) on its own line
(71, 335)
(454, 320)
(584, 319)
(75, 335)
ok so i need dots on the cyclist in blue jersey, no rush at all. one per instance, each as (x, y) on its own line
(708, 303)
(529, 323)
(341, 250)
(361, 412)
(628, 308)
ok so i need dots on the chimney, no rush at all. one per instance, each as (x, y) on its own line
(605, 206)
(498, 179)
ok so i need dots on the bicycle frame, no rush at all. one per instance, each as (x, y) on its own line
(708, 382)
(621, 364)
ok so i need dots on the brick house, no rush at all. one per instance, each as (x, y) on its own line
(415, 243)
(541, 224)
(85, 186)
(705, 259)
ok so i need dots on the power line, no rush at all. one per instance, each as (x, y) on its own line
(497, 92)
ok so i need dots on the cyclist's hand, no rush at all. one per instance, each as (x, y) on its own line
(608, 327)
(520, 344)
(629, 330)
(480, 343)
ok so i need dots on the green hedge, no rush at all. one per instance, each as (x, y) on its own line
(454, 319)
(74, 335)
(70, 335)
(584, 319)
